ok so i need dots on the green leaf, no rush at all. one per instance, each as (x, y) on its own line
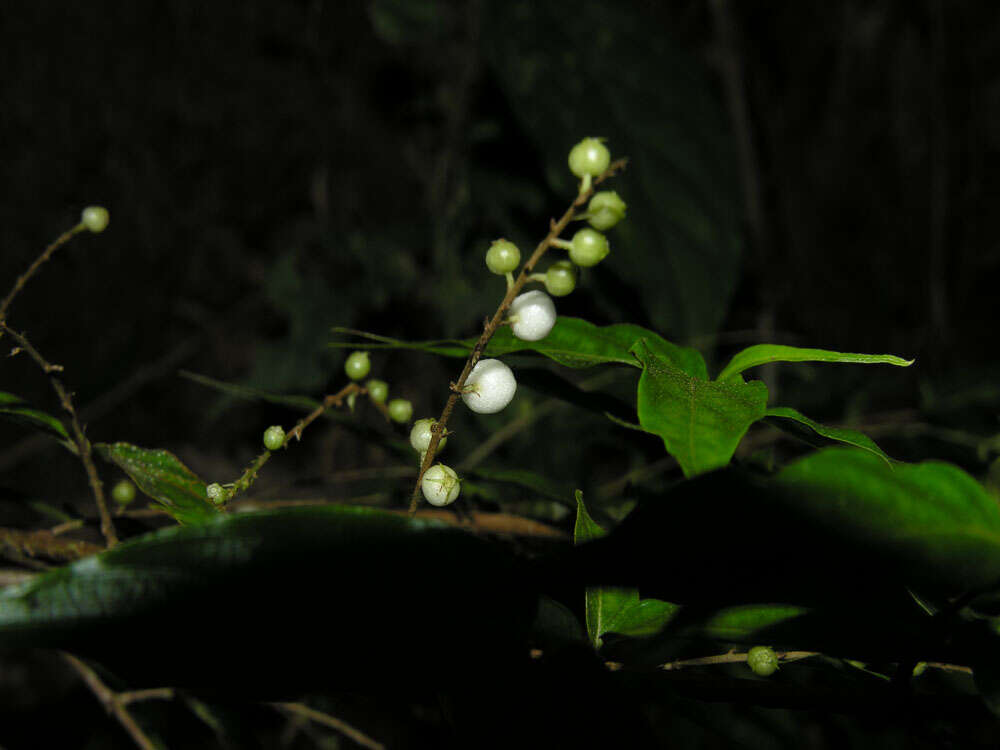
(762, 354)
(935, 524)
(573, 342)
(531, 480)
(611, 609)
(15, 409)
(303, 403)
(562, 64)
(701, 422)
(160, 475)
(331, 597)
(798, 424)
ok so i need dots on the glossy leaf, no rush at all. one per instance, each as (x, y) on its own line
(311, 597)
(573, 342)
(160, 475)
(701, 422)
(15, 409)
(655, 103)
(762, 354)
(796, 423)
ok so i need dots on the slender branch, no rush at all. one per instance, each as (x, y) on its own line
(23, 279)
(300, 709)
(249, 475)
(115, 703)
(81, 441)
(555, 229)
(46, 544)
(733, 658)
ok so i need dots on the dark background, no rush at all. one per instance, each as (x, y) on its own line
(819, 174)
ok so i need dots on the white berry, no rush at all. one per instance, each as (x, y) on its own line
(420, 435)
(490, 387)
(532, 315)
(441, 485)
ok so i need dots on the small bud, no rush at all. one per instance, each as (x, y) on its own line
(95, 218)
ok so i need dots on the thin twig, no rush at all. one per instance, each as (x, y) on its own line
(115, 703)
(300, 709)
(61, 240)
(46, 544)
(733, 658)
(81, 441)
(555, 229)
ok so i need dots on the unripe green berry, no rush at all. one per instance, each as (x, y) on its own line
(440, 485)
(762, 660)
(95, 218)
(123, 492)
(400, 410)
(503, 257)
(605, 210)
(420, 435)
(274, 437)
(357, 365)
(589, 156)
(378, 390)
(560, 278)
(588, 248)
(216, 493)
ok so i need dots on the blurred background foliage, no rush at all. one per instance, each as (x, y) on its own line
(819, 174)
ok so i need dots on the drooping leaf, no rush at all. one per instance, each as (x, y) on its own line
(653, 101)
(573, 342)
(701, 422)
(795, 422)
(160, 475)
(15, 409)
(762, 354)
(542, 486)
(313, 597)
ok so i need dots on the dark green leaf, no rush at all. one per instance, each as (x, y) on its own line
(303, 403)
(701, 422)
(15, 409)
(603, 603)
(573, 342)
(160, 475)
(797, 423)
(538, 484)
(562, 64)
(937, 525)
(762, 354)
(641, 618)
(331, 597)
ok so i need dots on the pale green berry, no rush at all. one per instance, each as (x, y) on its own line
(216, 493)
(762, 660)
(420, 435)
(605, 210)
(357, 365)
(400, 410)
(588, 248)
(560, 278)
(123, 492)
(489, 387)
(441, 485)
(503, 257)
(95, 218)
(532, 315)
(274, 437)
(589, 157)
(378, 390)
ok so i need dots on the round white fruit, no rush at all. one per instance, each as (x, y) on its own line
(532, 315)
(490, 387)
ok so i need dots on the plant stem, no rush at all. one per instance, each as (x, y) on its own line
(115, 703)
(555, 229)
(356, 735)
(81, 441)
(61, 240)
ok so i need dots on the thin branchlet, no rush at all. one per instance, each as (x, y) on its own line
(493, 323)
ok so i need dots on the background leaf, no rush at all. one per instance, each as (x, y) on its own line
(159, 474)
(701, 422)
(761, 354)
(573, 342)
(572, 70)
(796, 423)
(15, 409)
